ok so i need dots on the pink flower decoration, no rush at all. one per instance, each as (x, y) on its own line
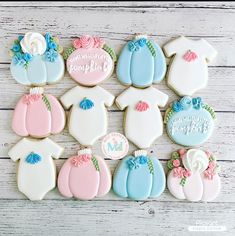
(209, 173)
(77, 43)
(87, 41)
(176, 163)
(79, 160)
(182, 151)
(98, 42)
(208, 153)
(30, 98)
(178, 172)
(187, 173)
(212, 165)
(190, 56)
(142, 106)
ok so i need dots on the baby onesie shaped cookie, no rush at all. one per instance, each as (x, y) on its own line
(139, 177)
(84, 176)
(38, 115)
(193, 175)
(36, 59)
(188, 71)
(141, 63)
(88, 115)
(189, 121)
(90, 60)
(36, 171)
(143, 121)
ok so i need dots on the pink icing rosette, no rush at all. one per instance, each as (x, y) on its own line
(77, 43)
(98, 42)
(30, 98)
(79, 160)
(87, 41)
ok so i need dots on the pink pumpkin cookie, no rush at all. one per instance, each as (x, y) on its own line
(84, 176)
(38, 115)
(90, 60)
(193, 175)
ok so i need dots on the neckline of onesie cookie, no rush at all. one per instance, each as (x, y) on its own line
(32, 140)
(191, 40)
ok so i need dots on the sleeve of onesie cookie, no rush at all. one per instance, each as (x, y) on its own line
(107, 97)
(209, 52)
(171, 47)
(160, 97)
(123, 100)
(54, 149)
(70, 98)
(17, 151)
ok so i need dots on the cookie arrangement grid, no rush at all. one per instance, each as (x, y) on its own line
(97, 64)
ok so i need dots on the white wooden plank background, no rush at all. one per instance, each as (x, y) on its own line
(116, 22)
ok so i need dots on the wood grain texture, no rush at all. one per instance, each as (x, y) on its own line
(116, 22)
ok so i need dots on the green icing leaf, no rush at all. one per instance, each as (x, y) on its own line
(68, 52)
(210, 110)
(95, 163)
(47, 102)
(150, 166)
(110, 51)
(170, 164)
(151, 48)
(183, 181)
(169, 113)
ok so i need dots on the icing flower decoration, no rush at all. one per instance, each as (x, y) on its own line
(132, 46)
(86, 104)
(142, 42)
(143, 160)
(98, 42)
(79, 160)
(51, 55)
(77, 43)
(176, 163)
(190, 56)
(197, 103)
(177, 106)
(30, 98)
(142, 106)
(87, 41)
(133, 163)
(33, 158)
(186, 102)
(179, 172)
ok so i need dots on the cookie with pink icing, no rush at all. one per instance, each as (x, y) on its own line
(38, 115)
(84, 176)
(193, 175)
(89, 61)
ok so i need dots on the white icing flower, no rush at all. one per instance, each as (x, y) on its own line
(33, 43)
(195, 160)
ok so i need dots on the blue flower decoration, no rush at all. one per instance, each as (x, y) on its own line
(142, 42)
(177, 106)
(48, 37)
(86, 104)
(186, 102)
(52, 45)
(143, 160)
(22, 62)
(27, 57)
(51, 55)
(132, 46)
(197, 103)
(33, 158)
(133, 163)
(20, 37)
(16, 47)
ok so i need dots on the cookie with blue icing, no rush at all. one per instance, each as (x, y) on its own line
(36, 59)
(141, 63)
(189, 121)
(139, 177)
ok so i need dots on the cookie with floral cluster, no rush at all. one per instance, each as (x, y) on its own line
(36, 59)
(193, 175)
(90, 60)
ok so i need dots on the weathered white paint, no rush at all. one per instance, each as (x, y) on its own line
(116, 22)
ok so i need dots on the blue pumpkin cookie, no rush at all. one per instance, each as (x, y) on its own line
(139, 177)
(36, 59)
(189, 121)
(141, 63)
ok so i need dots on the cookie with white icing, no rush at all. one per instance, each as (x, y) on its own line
(36, 171)
(139, 177)
(36, 59)
(38, 115)
(84, 176)
(89, 61)
(142, 120)
(141, 63)
(88, 114)
(189, 121)
(193, 175)
(188, 71)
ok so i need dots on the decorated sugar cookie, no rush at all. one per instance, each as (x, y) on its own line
(36, 59)
(36, 172)
(88, 115)
(84, 176)
(188, 71)
(90, 60)
(38, 115)
(139, 177)
(143, 121)
(189, 121)
(141, 63)
(193, 175)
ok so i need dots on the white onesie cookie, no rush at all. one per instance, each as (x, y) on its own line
(143, 121)
(188, 71)
(88, 115)
(36, 172)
